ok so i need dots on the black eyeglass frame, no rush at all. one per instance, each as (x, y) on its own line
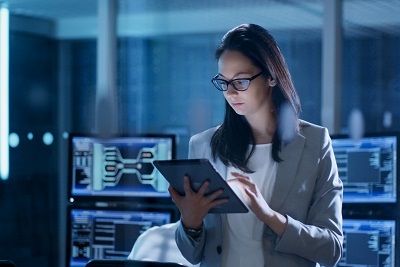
(231, 82)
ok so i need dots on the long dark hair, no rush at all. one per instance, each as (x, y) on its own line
(231, 141)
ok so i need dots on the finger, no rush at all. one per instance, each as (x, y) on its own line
(218, 202)
(248, 184)
(250, 193)
(239, 175)
(172, 191)
(186, 185)
(174, 194)
(214, 195)
(246, 181)
(203, 188)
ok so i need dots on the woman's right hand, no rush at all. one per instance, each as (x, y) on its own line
(194, 206)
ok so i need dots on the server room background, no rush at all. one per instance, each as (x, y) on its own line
(163, 87)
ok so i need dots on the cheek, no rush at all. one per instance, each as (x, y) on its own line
(262, 94)
(226, 96)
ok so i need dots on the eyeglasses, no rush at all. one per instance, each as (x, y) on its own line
(241, 84)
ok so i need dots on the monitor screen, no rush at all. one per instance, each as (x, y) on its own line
(95, 233)
(368, 243)
(368, 168)
(118, 166)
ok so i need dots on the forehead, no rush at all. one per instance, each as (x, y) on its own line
(233, 62)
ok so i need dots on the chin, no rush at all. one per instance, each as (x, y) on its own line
(239, 112)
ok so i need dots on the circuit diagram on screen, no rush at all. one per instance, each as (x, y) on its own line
(112, 168)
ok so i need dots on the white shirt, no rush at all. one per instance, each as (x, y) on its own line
(242, 232)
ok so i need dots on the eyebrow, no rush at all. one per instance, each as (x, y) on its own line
(234, 76)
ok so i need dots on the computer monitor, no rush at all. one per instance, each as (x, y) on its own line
(368, 168)
(368, 243)
(131, 263)
(108, 233)
(118, 167)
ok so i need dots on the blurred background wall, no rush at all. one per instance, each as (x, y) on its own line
(165, 61)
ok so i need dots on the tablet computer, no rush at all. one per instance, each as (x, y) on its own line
(200, 170)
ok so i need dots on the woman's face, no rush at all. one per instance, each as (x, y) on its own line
(256, 99)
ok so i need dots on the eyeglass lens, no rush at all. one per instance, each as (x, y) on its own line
(239, 84)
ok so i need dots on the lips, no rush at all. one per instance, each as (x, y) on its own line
(236, 104)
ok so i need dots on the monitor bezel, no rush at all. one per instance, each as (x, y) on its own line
(112, 206)
(71, 198)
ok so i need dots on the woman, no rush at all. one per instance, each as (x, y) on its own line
(284, 168)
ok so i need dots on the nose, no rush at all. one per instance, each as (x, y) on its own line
(231, 90)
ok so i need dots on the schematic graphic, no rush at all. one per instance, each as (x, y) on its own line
(120, 167)
(109, 166)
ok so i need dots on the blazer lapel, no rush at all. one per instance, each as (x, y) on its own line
(286, 173)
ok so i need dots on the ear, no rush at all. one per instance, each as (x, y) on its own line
(271, 82)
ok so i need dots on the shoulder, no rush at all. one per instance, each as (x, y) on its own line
(316, 136)
(199, 144)
(310, 130)
(207, 134)
(204, 136)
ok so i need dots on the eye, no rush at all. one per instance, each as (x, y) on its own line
(241, 83)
